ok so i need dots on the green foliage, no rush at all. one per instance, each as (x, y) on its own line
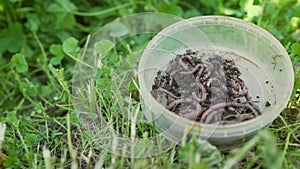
(57, 51)
(18, 61)
(117, 29)
(200, 154)
(63, 13)
(12, 38)
(11, 162)
(104, 46)
(269, 150)
(296, 50)
(31, 139)
(33, 22)
(295, 57)
(70, 45)
(170, 8)
(12, 118)
(40, 42)
(28, 88)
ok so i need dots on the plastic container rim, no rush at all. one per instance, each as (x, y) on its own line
(251, 125)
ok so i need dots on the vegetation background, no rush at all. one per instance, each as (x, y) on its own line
(39, 43)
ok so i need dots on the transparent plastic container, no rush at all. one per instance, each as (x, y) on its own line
(265, 66)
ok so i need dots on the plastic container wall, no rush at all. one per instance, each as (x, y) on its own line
(265, 66)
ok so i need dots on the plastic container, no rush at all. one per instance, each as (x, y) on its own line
(265, 66)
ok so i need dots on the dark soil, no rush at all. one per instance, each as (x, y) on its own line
(208, 91)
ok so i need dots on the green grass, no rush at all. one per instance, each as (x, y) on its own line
(40, 42)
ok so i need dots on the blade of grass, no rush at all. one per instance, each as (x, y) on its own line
(24, 145)
(286, 143)
(241, 153)
(80, 61)
(107, 11)
(47, 158)
(72, 151)
(2, 134)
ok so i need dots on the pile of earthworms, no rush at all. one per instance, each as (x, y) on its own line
(204, 90)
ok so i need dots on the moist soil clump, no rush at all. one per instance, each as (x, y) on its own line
(204, 90)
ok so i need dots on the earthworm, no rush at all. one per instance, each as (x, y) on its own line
(230, 108)
(186, 67)
(254, 106)
(179, 101)
(230, 116)
(199, 73)
(223, 105)
(171, 81)
(187, 57)
(243, 117)
(204, 78)
(210, 118)
(168, 92)
(238, 118)
(203, 92)
(168, 70)
(245, 89)
(221, 95)
(193, 70)
(195, 114)
(188, 110)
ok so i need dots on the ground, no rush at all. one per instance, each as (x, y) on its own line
(40, 42)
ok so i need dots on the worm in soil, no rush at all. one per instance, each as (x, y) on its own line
(196, 68)
(186, 111)
(223, 105)
(171, 81)
(187, 57)
(229, 116)
(199, 73)
(238, 118)
(230, 108)
(249, 100)
(179, 101)
(168, 92)
(215, 116)
(185, 66)
(203, 92)
(194, 114)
